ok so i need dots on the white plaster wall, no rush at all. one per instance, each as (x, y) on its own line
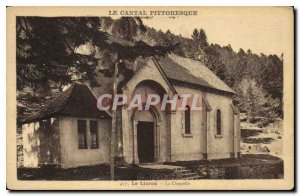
(192, 147)
(71, 156)
(220, 147)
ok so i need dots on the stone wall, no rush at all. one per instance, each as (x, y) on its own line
(246, 167)
(273, 170)
(263, 171)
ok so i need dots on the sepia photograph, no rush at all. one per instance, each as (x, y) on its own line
(150, 98)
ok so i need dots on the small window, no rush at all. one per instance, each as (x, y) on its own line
(187, 120)
(219, 131)
(82, 140)
(94, 134)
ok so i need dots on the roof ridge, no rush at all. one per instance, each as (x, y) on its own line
(93, 93)
(183, 57)
(202, 64)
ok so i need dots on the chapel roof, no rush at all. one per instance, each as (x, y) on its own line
(183, 70)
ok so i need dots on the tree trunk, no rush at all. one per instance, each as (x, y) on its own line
(113, 127)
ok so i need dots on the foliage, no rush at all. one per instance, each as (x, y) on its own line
(46, 49)
(199, 37)
(255, 101)
(128, 27)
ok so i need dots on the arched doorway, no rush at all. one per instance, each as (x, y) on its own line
(154, 121)
(146, 125)
(146, 136)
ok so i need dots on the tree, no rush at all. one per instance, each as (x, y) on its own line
(237, 66)
(195, 35)
(122, 52)
(203, 39)
(200, 38)
(212, 60)
(271, 75)
(47, 50)
(128, 27)
(255, 101)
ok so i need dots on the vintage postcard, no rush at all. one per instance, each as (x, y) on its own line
(150, 98)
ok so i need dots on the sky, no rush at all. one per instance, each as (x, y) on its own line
(262, 30)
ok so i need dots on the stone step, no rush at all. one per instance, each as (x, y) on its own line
(187, 174)
(193, 176)
(179, 172)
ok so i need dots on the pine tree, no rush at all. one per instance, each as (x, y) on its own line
(195, 35)
(203, 39)
(255, 101)
(200, 39)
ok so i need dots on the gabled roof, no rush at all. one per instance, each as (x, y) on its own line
(190, 71)
(180, 69)
(78, 101)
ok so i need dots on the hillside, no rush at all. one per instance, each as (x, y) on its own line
(229, 65)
